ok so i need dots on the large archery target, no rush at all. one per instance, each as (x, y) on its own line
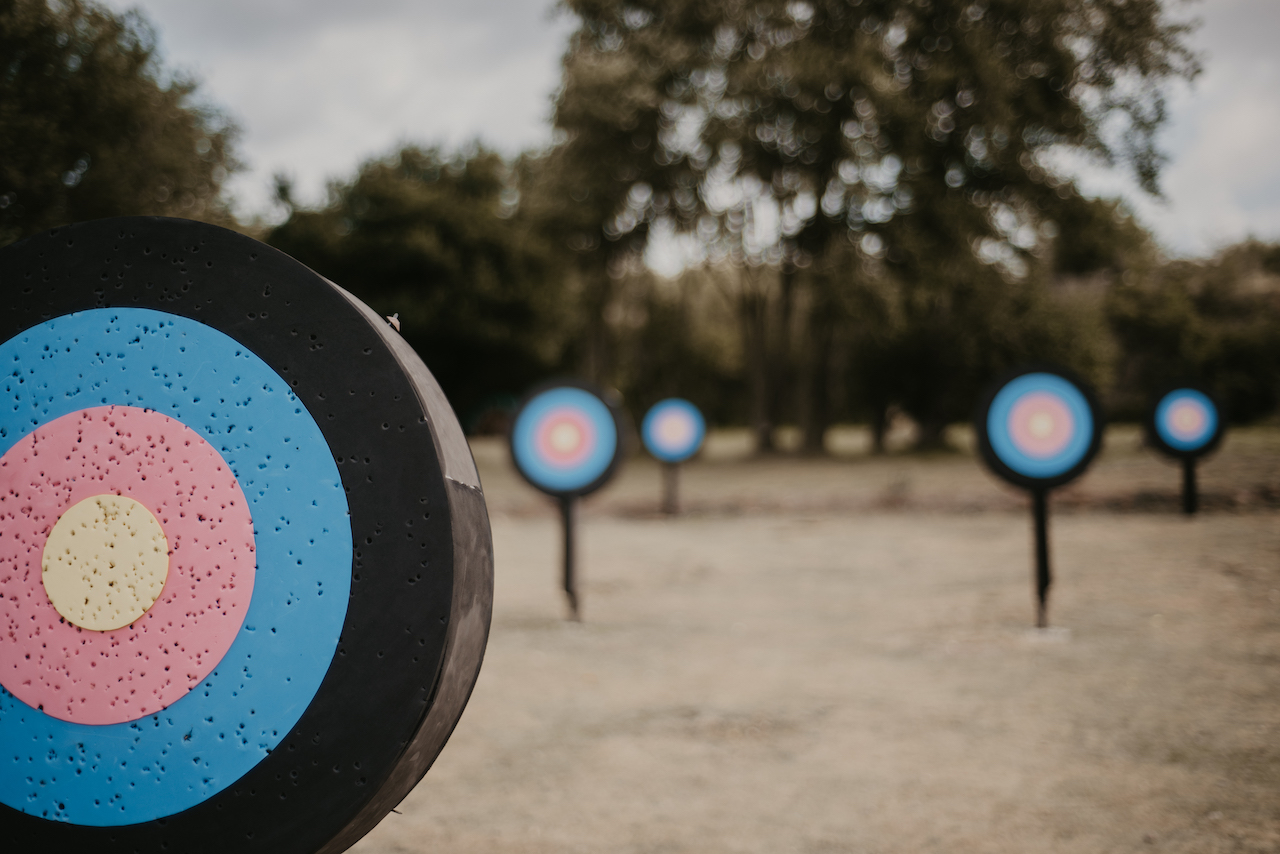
(1039, 428)
(565, 440)
(1186, 423)
(245, 569)
(153, 365)
(673, 430)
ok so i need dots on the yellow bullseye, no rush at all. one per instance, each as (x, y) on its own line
(105, 562)
(1040, 425)
(566, 438)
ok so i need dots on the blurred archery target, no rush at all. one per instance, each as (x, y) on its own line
(1038, 428)
(191, 483)
(565, 439)
(1185, 422)
(673, 430)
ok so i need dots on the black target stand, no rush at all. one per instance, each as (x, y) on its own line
(566, 441)
(1168, 431)
(1049, 399)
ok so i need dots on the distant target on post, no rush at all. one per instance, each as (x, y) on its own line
(1039, 428)
(673, 430)
(566, 440)
(1185, 424)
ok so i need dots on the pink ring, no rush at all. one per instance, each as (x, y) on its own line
(110, 677)
(1187, 419)
(556, 418)
(1040, 405)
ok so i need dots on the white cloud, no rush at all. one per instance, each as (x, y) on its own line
(319, 85)
(1222, 182)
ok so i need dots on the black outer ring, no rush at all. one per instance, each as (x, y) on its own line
(619, 423)
(422, 568)
(1036, 484)
(1153, 435)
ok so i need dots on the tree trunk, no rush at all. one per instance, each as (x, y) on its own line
(782, 397)
(815, 382)
(596, 357)
(879, 428)
(753, 309)
(932, 435)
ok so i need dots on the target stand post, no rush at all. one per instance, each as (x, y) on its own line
(566, 441)
(1038, 428)
(1044, 576)
(568, 516)
(1190, 496)
(672, 430)
(1185, 424)
(671, 488)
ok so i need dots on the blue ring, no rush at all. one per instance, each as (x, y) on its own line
(546, 473)
(1165, 431)
(1011, 455)
(161, 764)
(654, 443)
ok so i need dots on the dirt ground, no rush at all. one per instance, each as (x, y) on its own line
(827, 656)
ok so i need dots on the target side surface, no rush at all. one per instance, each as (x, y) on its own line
(1038, 427)
(395, 668)
(1185, 422)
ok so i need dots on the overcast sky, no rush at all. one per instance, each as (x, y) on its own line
(319, 85)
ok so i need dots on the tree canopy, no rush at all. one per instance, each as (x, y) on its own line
(436, 238)
(901, 147)
(91, 125)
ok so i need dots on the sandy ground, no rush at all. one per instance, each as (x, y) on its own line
(829, 656)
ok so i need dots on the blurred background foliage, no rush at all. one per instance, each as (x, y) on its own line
(863, 192)
(91, 125)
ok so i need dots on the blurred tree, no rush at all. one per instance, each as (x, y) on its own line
(904, 140)
(1216, 322)
(675, 339)
(600, 187)
(439, 239)
(1095, 238)
(92, 126)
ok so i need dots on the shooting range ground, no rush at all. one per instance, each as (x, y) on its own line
(831, 656)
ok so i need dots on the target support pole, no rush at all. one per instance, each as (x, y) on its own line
(568, 516)
(1044, 578)
(671, 488)
(1190, 496)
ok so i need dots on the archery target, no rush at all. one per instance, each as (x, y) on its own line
(193, 477)
(673, 430)
(565, 440)
(157, 382)
(1185, 422)
(1039, 428)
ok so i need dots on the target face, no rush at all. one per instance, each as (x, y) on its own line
(565, 439)
(673, 430)
(1185, 423)
(195, 470)
(1038, 428)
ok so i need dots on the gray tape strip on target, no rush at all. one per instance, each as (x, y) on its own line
(306, 620)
